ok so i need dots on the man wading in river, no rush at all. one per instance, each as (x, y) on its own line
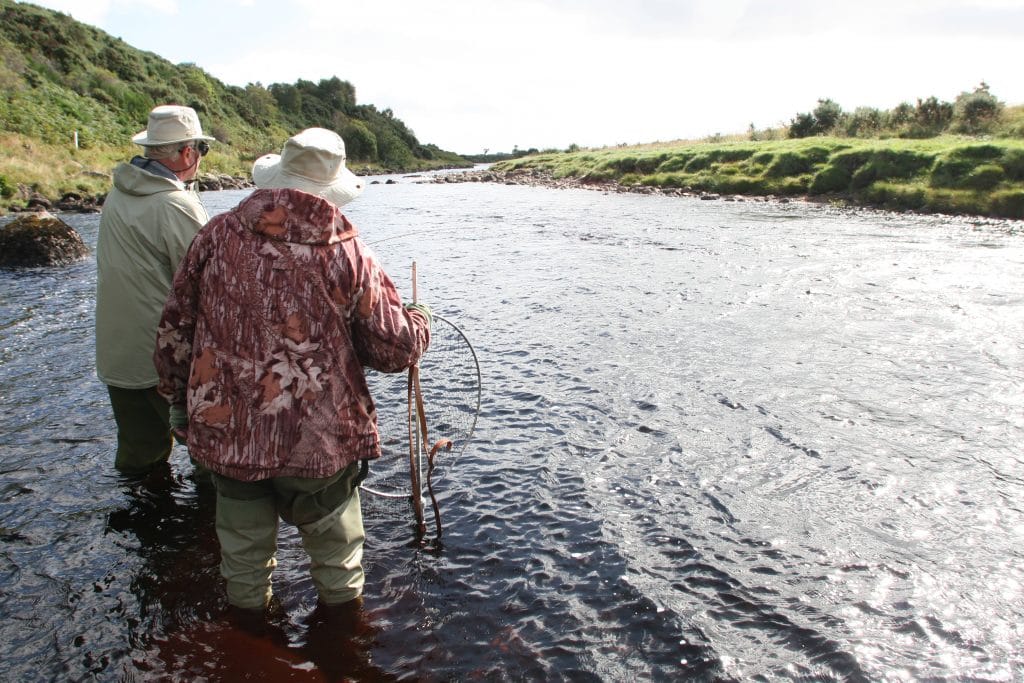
(148, 221)
(274, 311)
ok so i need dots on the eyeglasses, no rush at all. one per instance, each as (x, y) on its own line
(201, 146)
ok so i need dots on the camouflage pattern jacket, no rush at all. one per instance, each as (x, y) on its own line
(273, 313)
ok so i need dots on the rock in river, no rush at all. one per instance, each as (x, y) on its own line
(39, 239)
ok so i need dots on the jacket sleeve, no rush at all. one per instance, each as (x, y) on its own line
(387, 336)
(176, 329)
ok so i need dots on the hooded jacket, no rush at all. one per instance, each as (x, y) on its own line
(274, 311)
(148, 221)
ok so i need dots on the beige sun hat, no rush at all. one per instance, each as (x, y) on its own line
(170, 123)
(312, 161)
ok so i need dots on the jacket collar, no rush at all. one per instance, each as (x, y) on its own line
(294, 216)
(153, 166)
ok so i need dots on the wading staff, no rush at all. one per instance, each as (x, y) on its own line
(414, 424)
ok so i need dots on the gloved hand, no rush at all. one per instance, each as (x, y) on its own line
(425, 310)
(179, 424)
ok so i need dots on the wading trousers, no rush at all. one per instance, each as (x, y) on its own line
(329, 519)
(143, 428)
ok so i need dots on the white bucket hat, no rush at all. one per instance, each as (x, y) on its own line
(170, 123)
(312, 161)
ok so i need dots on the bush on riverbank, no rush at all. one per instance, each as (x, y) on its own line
(978, 112)
(71, 96)
(945, 175)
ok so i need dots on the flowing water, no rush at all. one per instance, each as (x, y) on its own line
(718, 441)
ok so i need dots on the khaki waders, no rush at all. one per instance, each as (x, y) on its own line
(329, 519)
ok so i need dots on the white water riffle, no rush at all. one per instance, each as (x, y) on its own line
(719, 440)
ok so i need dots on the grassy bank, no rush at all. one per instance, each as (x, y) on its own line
(56, 170)
(947, 174)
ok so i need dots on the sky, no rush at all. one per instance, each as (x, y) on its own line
(485, 75)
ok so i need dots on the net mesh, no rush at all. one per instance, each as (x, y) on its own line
(450, 385)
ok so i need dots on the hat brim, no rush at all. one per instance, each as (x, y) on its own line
(142, 138)
(267, 174)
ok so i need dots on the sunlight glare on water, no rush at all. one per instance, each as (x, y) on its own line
(719, 441)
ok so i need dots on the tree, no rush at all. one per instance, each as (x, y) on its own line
(976, 112)
(864, 122)
(360, 142)
(288, 97)
(933, 115)
(827, 116)
(802, 126)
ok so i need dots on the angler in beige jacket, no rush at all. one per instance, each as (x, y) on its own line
(149, 219)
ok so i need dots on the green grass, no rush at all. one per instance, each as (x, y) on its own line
(948, 174)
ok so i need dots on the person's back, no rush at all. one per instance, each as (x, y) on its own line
(290, 305)
(147, 224)
(273, 313)
(149, 219)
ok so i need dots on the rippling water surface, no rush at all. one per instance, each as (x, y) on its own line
(718, 441)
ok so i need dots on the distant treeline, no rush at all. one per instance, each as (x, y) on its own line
(58, 76)
(977, 112)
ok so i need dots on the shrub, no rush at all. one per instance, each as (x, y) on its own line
(950, 172)
(976, 112)
(789, 164)
(827, 116)
(977, 152)
(802, 126)
(698, 163)
(360, 142)
(648, 165)
(817, 154)
(675, 162)
(864, 122)
(886, 163)
(626, 164)
(932, 115)
(850, 160)
(6, 189)
(830, 179)
(1008, 203)
(737, 184)
(731, 155)
(955, 201)
(1013, 163)
(896, 197)
(797, 185)
(984, 177)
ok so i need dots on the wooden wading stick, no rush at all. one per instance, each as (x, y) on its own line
(414, 438)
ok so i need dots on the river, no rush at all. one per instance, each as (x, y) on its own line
(718, 441)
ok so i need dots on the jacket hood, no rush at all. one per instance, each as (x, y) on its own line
(136, 181)
(294, 216)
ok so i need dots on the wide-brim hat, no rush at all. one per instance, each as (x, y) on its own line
(312, 161)
(170, 123)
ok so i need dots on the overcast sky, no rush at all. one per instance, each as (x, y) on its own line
(469, 75)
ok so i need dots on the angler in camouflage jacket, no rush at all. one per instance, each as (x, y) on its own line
(273, 313)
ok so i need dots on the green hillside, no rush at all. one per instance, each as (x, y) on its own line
(59, 77)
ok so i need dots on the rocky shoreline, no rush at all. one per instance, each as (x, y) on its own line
(73, 202)
(538, 178)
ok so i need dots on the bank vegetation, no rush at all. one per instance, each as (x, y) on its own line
(964, 157)
(71, 97)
